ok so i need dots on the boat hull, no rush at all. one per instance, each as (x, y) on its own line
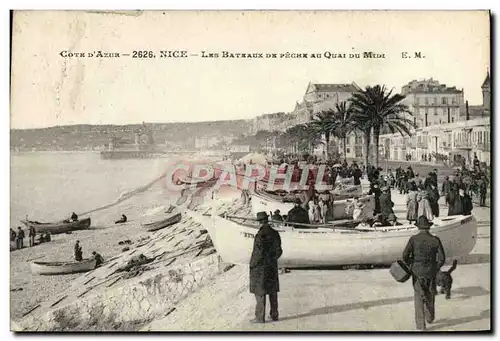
(62, 268)
(341, 208)
(158, 225)
(56, 228)
(326, 247)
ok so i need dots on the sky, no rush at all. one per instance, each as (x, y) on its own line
(49, 89)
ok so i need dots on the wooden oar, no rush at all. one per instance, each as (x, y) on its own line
(331, 226)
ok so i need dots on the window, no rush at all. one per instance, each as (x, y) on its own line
(348, 150)
(417, 101)
(435, 111)
(453, 119)
(444, 100)
(426, 101)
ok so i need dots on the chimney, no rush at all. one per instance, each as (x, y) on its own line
(466, 110)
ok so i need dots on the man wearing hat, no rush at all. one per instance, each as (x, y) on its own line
(386, 203)
(424, 253)
(375, 190)
(298, 214)
(264, 279)
(276, 216)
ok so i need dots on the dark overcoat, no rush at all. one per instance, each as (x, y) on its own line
(298, 214)
(425, 254)
(266, 251)
(386, 205)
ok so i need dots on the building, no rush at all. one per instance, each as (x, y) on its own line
(433, 103)
(320, 97)
(453, 141)
(486, 87)
(483, 110)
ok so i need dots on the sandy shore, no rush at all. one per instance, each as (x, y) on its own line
(103, 237)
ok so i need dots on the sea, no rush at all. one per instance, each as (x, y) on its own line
(49, 186)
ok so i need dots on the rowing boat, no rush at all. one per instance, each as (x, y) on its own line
(317, 247)
(61, 268)
(262, 201)
(60, 227)
(171, 219)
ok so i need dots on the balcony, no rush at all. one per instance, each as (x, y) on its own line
(422, 144)
(445, 145)
(464, 144)
(485, 147)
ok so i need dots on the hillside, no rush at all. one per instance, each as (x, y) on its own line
(96, 137)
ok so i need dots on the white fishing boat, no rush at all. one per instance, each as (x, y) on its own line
(336, 246)
(62, 268)
(342, 208)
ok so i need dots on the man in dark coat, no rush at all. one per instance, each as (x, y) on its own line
(78, 252)
(357, 175)
(32, 235)
(410, 173)
(445, 189)
(19, 238)
(424, 253)
(12, 235)
(483, 190)
(433, 196)
(264, 279)
(298, 214)
(98, 258)
(375, 190)
(386, 203)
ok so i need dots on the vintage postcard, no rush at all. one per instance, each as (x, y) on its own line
(250, 171)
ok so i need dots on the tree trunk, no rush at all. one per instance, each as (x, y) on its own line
(327, 140)
(345, 148)
(367, 146)
(376, 135)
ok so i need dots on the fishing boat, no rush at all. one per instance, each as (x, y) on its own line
(342, 208)
(171, 219)
(56, 228)
(62, 268)
(336, 244)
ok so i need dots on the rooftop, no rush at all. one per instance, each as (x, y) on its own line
(352, 87)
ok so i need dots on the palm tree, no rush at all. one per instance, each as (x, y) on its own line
(343, 123)
(376, 108)
(323, 124)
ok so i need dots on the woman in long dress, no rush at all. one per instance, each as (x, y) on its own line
(412, 204)
(424, 206)
(311, 211)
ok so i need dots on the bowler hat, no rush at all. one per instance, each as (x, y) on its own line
(277, 212)
(262, 216)
(423, 223)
